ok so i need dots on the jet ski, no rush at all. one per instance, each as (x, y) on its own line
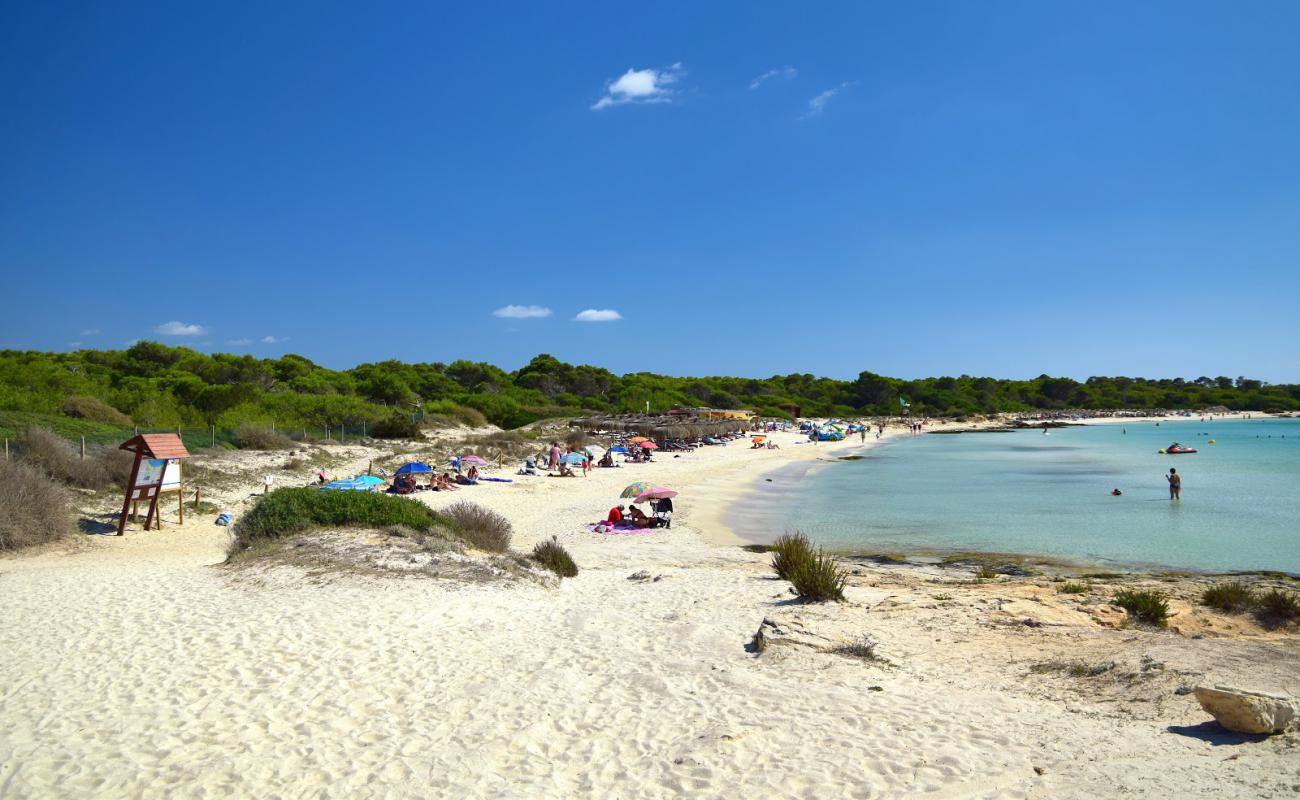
(1176, 448)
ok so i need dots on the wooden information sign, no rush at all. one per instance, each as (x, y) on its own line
(157, 469)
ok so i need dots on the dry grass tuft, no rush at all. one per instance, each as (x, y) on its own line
(480, 527)
(57, 458)
(251, 437)
(94, 409)
(32, 509)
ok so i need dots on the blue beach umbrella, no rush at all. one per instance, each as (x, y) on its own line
(617, 449)
(414, 467)
(574, 458)
(368, 480)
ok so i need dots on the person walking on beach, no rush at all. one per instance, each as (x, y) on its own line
(1175, 484)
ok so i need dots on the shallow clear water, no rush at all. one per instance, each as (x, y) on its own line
(1024, 492)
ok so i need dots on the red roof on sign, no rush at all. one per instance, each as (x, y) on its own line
(156, 445)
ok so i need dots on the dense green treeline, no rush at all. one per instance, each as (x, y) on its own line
(156, 386)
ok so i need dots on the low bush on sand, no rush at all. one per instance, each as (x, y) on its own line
(1148, 608)
(251, 437)
(480, 527)
(818, 578)
(788, 551)
(552, 555)
(94, 409)
(57, 458)
(1276, 608)
(287, 512)
(1233, 598)
(33, 510)
(1074, 588)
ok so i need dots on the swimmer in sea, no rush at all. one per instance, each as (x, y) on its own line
(1175, 484)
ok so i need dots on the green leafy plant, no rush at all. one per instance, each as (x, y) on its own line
(1148, 608)
(817, 578)
(287, 512)
(1074, 588)
(1277, 608)
(1233, 598)
(790, 551)
(552, 555)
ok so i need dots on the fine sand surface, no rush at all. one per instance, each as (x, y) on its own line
(143, 667)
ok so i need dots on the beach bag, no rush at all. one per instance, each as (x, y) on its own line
(223, 519)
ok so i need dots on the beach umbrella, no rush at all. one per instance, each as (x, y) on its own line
(471, 459)
(368, 480)
(639, 488)
(656, 493)
(759, 439)
(573, 458)
(348, 486)
(617, 449)
(414, 466)
(637, 440)
(649, 445)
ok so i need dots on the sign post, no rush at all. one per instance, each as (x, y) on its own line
(157, 469)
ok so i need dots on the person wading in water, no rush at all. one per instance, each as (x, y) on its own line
(1175, 484)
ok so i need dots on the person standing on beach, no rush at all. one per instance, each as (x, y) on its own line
(1175, 484)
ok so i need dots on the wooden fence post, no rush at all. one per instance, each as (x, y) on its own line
(83, 448)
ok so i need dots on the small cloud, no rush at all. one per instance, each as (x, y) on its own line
(784, 72)
(522, 312)
(274, 339)
(818, 104)
(239, 342)
(74, 344)
(641, 86)
(598, 315)
(180, 329)
(91, 332)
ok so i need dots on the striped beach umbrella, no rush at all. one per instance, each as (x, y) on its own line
(637, 489)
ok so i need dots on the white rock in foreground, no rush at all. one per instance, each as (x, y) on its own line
(1246, 712)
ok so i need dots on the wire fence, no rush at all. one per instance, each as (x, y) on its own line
(211, 436)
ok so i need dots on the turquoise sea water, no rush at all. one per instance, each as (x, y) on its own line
(1024, 492)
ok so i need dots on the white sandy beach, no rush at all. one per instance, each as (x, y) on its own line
(142, 667)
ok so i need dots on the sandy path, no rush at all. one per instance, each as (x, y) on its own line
(138, 668)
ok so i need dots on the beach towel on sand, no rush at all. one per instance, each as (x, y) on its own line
(621, 528)
(496, 480)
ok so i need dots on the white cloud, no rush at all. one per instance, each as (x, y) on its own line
(274, 339)
(239, 341)
(91, 332)
(784, 72)
(598, 315)
(180, 329)
(641, 86)
(818, 104)
(74, 344)
(522, 312)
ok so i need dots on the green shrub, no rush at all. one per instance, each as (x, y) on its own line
(1234, 597)
(788, 551)
(480, 527)
(1277, 608)
(33, 510)
(1149, 608)
(286, 512)
(251, 437)
(986, 572)
(552, 555)
(397, 426)
(818, 578)
(94, 409)
(1074, 588)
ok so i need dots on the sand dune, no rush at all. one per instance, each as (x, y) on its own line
(140, 667)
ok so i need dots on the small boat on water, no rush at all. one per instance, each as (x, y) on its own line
(1176, 449)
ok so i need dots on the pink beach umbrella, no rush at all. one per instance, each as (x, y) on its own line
(657, 493)
(471, 459)
(648, 445)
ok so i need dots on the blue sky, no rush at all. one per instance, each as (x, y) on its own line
(997, 188)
